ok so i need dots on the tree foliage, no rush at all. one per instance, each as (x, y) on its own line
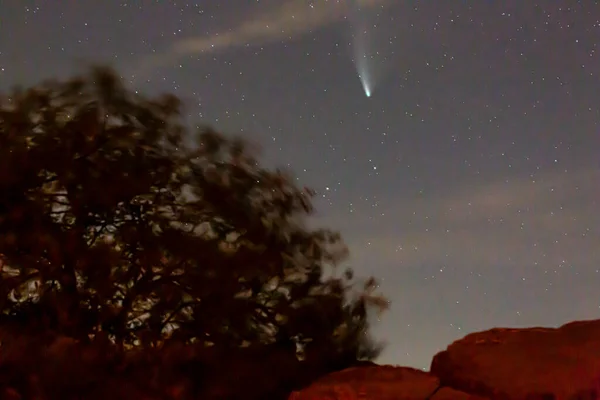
(115, 229)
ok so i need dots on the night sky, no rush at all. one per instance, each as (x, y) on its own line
(468, 182)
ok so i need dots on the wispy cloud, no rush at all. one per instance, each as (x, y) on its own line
(514, 222)
(290, 20)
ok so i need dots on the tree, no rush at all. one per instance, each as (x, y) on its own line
(114, 229)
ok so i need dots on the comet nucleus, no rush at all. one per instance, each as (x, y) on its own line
(364, 80)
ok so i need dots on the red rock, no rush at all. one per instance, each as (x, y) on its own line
(378, 383)
(530, 363)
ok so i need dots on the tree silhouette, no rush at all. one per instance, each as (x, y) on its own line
(117, 228)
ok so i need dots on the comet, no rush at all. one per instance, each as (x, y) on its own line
(364, 81)
(361, 54)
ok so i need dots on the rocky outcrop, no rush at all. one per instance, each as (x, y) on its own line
(501, 363)
(533, 363)
(380, 383)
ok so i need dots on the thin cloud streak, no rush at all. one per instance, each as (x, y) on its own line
(290, 20)
(502, 223)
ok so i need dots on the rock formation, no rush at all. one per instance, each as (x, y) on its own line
(501, 363)
(381, 383)
(533, 363)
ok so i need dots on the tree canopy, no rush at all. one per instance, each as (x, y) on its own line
(119, 225)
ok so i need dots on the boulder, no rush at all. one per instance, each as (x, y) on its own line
(531, 363)
(379, 383)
